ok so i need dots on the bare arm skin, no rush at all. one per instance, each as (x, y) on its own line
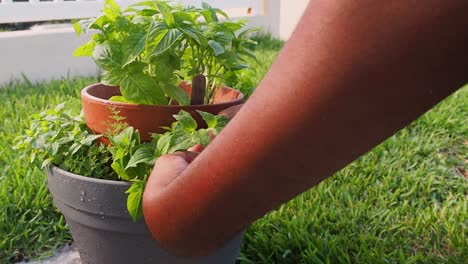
(352, 74)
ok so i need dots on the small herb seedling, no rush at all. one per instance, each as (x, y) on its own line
(60, 137)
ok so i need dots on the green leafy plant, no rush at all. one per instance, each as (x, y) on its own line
(150, 47)
(59, 136)
(133, 161)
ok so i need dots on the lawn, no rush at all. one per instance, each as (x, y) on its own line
(403, 202)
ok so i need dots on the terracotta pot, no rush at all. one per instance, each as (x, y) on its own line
(99, 111)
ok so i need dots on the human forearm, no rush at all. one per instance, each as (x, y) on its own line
(351, 76)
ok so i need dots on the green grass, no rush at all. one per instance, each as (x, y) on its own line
(404, 202)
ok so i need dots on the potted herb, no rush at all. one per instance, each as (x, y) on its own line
(90, 182)
(157, 59)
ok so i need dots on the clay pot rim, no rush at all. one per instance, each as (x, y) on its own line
(90, 179)
(88, 96)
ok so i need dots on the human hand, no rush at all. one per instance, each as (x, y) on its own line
(166, 170)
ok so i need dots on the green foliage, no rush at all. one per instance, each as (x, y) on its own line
(60, 137)
(135, 194)
(134, 160)
(150, 47)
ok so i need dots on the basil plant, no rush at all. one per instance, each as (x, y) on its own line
(150, 47)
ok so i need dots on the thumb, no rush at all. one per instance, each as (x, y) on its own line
(167, 168)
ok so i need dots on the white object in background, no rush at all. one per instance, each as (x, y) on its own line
(42, 55)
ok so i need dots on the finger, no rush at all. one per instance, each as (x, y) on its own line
(231, 111)
(197, 148)
(168, 167)
(188, 156)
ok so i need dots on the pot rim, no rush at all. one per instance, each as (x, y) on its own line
(88, 96)
(88, 179)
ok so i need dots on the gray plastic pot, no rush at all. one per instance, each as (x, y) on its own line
(96, 213)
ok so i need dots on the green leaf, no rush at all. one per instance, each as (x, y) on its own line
(83, 25)
(176, 93)
(54, 148)
(33, 157)
(231, 26)
(209, 118)
(46, 162)
(78, 28)
(209, 13)
(248, 31)
(164, 143)
(87, 141)
(156, 29)
(111, 9)
(147, 12)
(246, 41)
(165, 10)
(75, 148)
(168, 39)
(101, 22)
(222, 121)
(223, 37)
(118, 168)
(221, 12)
(239, 66)
(249, 53)
(155, 137)
(124, 138)
(111, 78)
(164, 66)
(134, 200)
(107, 56)
(150, 4)
(202, 137)
(59, 107)
(216, 47)
(196, 35)
(182, 17)
(186, 121)
(133, 46)
(231, 60)
(141, 88)
(180, 140)
(144, 154)
(85, 50)
(119, 98)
